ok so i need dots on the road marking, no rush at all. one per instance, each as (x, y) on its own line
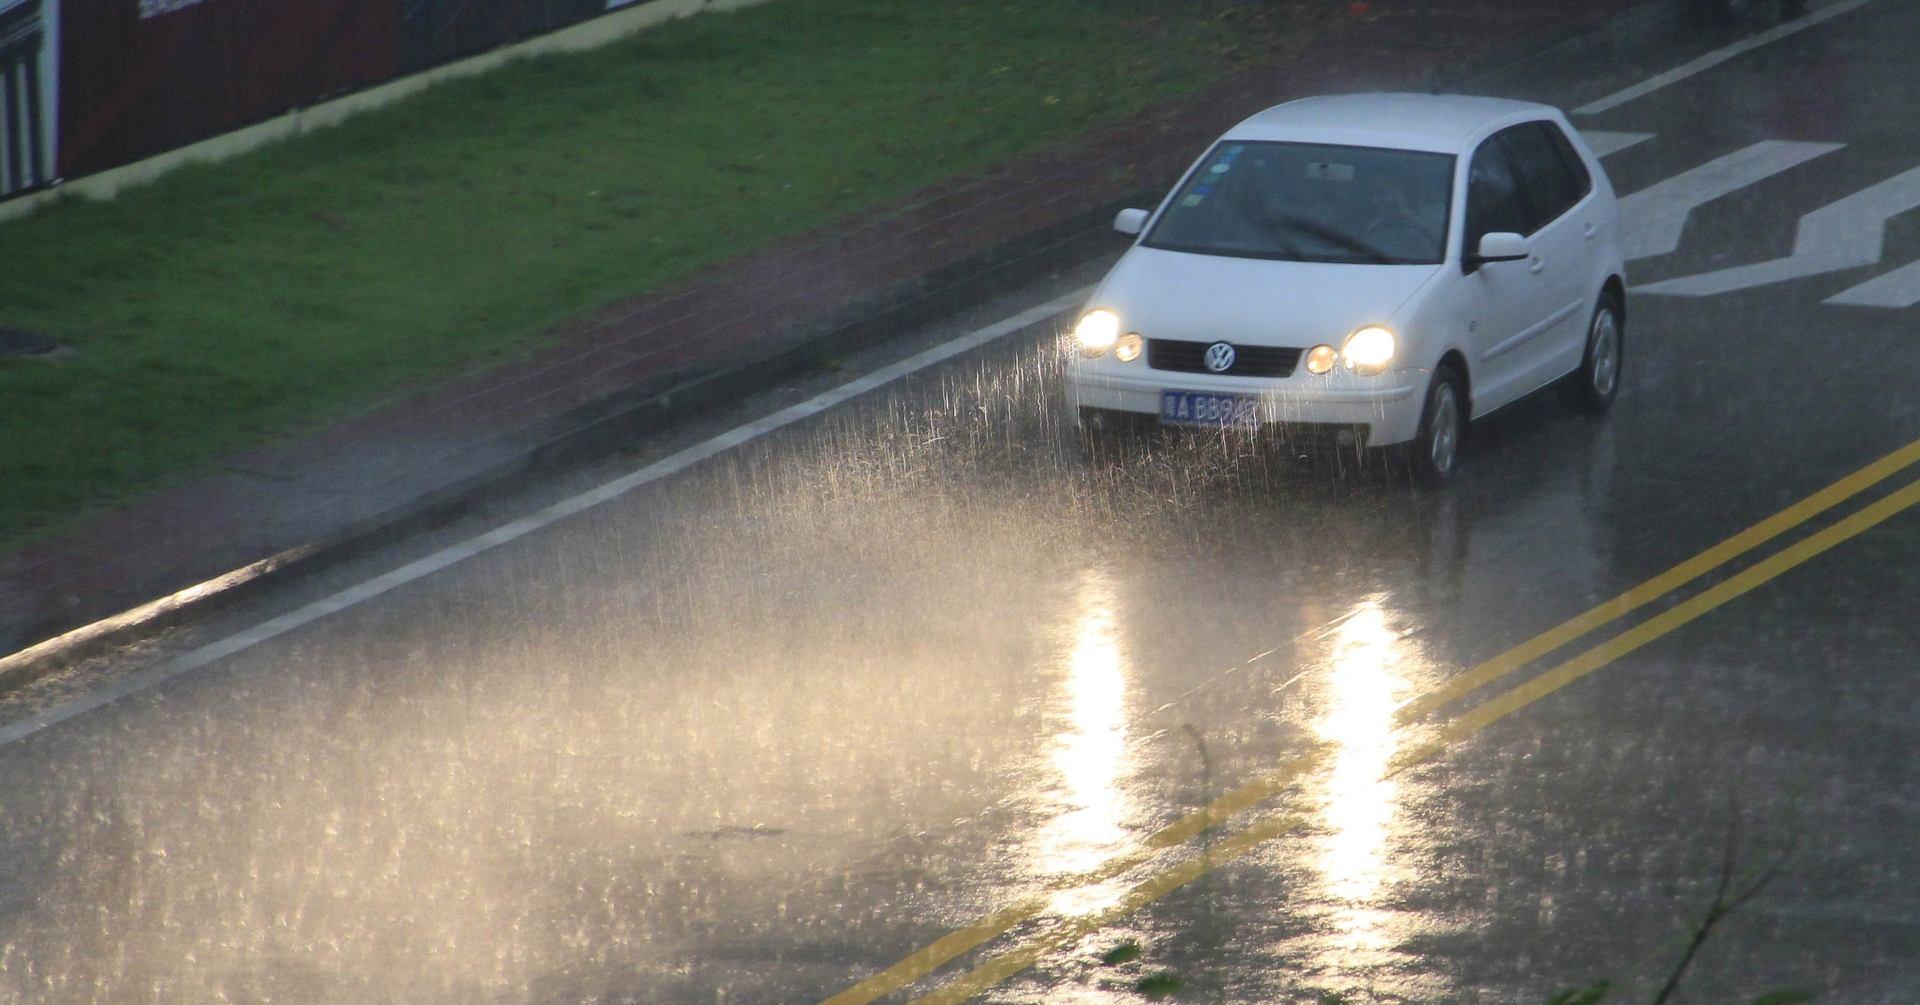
(1663, 584)
(452, 554)
(1272, 783)
(950, 946)
(1652, 219)
(937, 953)
(1604, 143)
(1867, 517)
(1845, 234)
(1005, 965)
(1718, 56)
(1238, 844)
(1897, 289)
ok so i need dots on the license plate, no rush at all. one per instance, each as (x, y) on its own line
(1193, 408)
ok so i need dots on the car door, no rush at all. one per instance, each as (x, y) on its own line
(1506, 302)
(1560, 237)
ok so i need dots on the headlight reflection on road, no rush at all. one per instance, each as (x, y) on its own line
(1089, 755)
(1362, 689)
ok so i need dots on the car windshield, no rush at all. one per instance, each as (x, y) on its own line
(1306, 202)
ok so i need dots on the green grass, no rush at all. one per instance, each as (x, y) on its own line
(230, 304)
(1159, 984)
(1125, 952)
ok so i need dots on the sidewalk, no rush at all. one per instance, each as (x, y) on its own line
(736, 329)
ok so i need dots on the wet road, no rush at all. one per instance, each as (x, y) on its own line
(758, 730)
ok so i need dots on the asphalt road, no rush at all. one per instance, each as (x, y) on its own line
(762, 727)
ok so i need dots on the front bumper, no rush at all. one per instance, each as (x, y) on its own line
(1388, 406)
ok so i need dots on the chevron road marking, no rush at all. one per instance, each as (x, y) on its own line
(1899, 288)
(1605, 143)
(1652, 219)
(1842, 235)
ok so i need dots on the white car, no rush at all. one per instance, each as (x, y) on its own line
(1387, 266)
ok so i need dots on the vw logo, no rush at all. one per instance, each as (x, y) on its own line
(1219, 357)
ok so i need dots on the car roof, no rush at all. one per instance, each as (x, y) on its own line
(1445, 123)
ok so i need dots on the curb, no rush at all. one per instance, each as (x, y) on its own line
(606, 426)
(603, 428)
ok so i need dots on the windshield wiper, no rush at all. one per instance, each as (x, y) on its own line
(1331, 236)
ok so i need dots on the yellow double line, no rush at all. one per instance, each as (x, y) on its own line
(998, 968)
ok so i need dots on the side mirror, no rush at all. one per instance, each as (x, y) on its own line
(1130, 221)
(1501, 247)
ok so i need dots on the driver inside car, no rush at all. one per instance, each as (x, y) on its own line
(1394, 225)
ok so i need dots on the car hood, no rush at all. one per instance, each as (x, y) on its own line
(1252, 301)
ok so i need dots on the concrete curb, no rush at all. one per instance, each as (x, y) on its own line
(605, 426)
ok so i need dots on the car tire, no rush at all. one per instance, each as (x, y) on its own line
(1435, 450)
(1593, 386)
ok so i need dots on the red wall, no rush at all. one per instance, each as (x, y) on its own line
(131, 87)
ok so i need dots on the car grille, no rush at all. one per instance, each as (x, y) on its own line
(1248, 360)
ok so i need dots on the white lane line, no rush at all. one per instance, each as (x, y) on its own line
(1718, 56)
(1898, 289)
(1652, 219)
(1605, 143)
(669, 465)
(1846, 234)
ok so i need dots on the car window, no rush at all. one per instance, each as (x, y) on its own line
(1570, 159)
(1312, 202)
(1493, 195)
(1547, 188)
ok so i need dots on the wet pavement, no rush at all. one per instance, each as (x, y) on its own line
(756, 731)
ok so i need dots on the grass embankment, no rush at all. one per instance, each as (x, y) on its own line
(229, 304)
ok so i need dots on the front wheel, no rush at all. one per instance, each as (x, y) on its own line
(1593, 387)
(1443, 429)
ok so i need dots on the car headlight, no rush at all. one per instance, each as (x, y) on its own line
(1320, 359)
(1097, 331)
(1129, 348)
(1369, 350)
